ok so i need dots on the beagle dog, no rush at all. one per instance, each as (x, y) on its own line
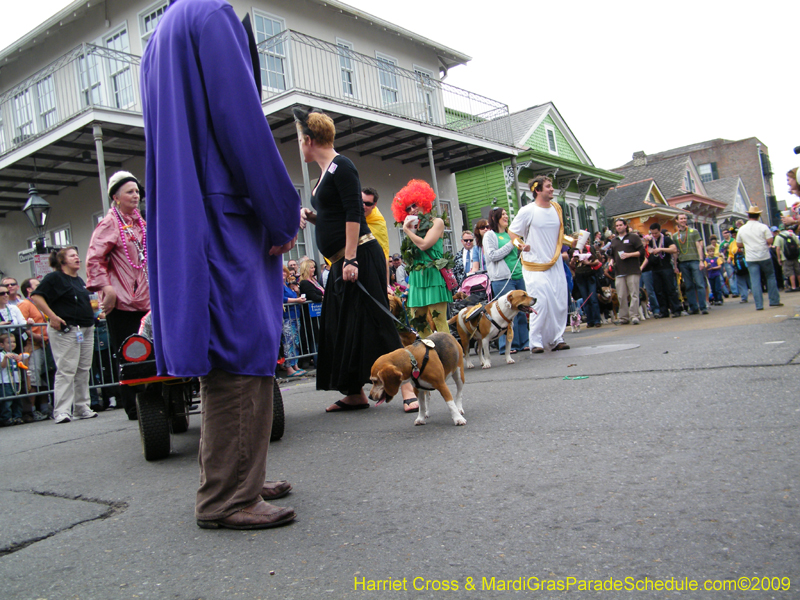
(426, 364)
(495, 319)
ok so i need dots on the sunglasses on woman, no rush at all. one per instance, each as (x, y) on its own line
(483, 227)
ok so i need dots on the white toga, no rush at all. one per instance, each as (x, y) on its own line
(540, 228)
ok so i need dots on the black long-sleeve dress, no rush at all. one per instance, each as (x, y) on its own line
(354, 331)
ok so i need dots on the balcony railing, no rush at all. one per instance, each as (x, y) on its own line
(292, 61)
(87, 77)
(92, 76)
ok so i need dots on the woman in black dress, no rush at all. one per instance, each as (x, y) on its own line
(354, 331)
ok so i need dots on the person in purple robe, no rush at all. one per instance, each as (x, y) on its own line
(221, 211)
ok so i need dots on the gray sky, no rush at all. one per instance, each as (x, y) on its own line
(625, 75)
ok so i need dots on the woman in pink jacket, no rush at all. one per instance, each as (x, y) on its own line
(116, 266)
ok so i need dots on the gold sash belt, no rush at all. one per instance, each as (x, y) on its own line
(340, 254)
(533, 266)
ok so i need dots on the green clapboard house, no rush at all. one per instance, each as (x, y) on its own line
(547, 147)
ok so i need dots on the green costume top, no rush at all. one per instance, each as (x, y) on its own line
(426, 286)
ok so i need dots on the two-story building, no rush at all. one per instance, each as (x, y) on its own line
(70, 108)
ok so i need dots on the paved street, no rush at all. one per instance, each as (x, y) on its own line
(676, 458)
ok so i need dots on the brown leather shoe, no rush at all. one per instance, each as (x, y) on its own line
(258, 515)
(273, 490)
(537, 350)
(561, 346)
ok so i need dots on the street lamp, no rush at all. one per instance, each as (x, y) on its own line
(37, 210)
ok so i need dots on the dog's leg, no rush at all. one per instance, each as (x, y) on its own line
(509, 340)
(486, 361)
(464, 343)
(423, 415)
(458, 377)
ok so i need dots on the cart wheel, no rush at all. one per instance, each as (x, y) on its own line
(278, 420)
(153, 422)
(179, 408)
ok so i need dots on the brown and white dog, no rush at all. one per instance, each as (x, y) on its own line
(406, 336)
(426, 364)
(496, 321)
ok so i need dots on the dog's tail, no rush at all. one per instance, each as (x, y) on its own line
(453, 321)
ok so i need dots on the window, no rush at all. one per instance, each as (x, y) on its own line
(89, 75)
(149, 19)
(23, 116)
(708, 172)
(2, 134)
(273, 74)
(447, 238)
(550, 132)
(119, 71)
(573, 215)
(387, 75)
(426, 92)
(688, 182)
(46, 92)
(57, 238)
(347, 68)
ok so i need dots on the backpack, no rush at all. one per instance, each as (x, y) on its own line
(739, 263)
(790, 248)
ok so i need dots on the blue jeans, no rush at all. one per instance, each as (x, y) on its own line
(732, 278)
(587, 284)
(756, 267)
(743, 283)
(652, 297)
(521, 339)
(695, 282)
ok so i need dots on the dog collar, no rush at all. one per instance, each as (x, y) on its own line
(416, 370)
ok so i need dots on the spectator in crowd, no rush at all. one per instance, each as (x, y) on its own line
(427, 290)
(691, 265)
(10, 381)
(647, 279)
(661, 250)
(505, 273)
(586, 268)
(787, 246)
(116, 267)
(756, 239)
(14, 294)
(736, 252)
(376, 223)
(39, 407)
(399, 274)
(724, 252)
(291, 327)
(11, 315)
(478, 258)
(714, 274)
(220, 215)
(791, 181)
(627, 250)
(63, 298)
(354, 329)
(463, 261)
(538, 230)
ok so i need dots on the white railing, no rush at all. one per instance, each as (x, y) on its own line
(87, 77)
(292, 61)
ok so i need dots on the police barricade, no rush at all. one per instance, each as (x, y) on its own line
(300, 336)
(36, 375)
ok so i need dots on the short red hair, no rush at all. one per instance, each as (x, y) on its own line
(416, 192)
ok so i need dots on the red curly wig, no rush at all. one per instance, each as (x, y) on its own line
(416, 192)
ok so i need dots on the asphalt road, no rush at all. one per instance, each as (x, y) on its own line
(675, 460)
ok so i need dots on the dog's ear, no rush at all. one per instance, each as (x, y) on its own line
(391, 377)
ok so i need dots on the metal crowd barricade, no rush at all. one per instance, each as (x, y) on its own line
(103, 374)
(304, 326)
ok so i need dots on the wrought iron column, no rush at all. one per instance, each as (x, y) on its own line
(516, 180)
(434, 182)
(101, 166)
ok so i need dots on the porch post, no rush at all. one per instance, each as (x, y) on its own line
(516, 180)
(434, 182)
(101, 165)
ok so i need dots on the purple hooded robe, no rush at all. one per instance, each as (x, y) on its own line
(218, 198)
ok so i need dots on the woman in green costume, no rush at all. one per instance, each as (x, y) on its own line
(424, 254)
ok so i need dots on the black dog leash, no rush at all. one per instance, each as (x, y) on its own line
(416, 371)
(384, 309)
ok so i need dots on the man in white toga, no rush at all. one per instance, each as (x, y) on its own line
(538, 230)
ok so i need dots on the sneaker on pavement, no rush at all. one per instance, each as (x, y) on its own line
(39, 416)
(84, 412)
(61, 418)
(634, 321)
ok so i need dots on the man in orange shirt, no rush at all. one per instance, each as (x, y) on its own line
(39, 406)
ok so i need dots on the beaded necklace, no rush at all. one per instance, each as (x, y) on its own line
(140, 247)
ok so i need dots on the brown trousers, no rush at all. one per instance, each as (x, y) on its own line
(234, 439)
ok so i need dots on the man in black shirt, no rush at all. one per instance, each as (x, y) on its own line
(660, 252)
